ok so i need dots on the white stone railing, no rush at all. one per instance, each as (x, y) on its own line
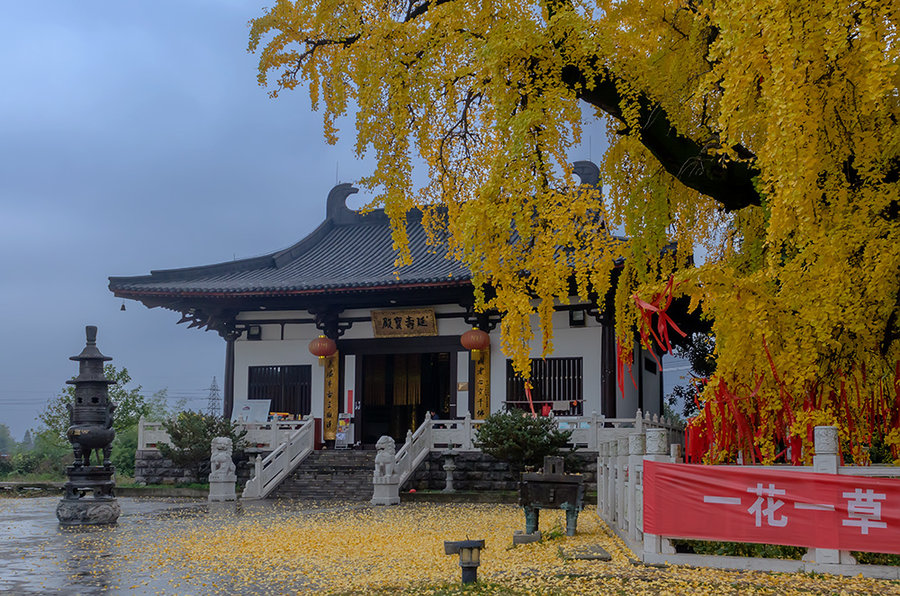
(416, 448)
(150, 434)
(458, 434)
(589, 431)
(620, 467)
(261, 436)
(267, 436)
(278, 465)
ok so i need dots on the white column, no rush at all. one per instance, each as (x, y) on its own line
(349, 382)
(602, 477)
(621, 480)
(612, 466)
(657, 444)
(635, 461)
(462, 376)
(827, 460)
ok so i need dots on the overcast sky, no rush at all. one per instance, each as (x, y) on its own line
(133, 136)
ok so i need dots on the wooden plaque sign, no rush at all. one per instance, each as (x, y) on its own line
(482, 361)
(330, 418)
(410, 322)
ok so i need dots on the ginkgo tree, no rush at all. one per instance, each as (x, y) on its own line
(763, 133)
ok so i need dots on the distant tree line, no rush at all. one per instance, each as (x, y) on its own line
(44, 452)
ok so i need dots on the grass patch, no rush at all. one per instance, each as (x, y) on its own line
(34, 477)
(876, 558)
(557, 531)
(739, 549)
(194, 485)
(770, 551)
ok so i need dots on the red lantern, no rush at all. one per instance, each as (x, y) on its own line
(322, 347)
(475, 340)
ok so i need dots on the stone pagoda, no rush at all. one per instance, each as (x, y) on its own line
(89, 497)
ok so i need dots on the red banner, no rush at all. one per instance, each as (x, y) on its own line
(772, 506)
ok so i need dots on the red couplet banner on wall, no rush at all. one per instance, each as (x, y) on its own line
(772, 506)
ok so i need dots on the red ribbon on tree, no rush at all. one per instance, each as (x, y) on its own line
(528, 395)
(660, 305)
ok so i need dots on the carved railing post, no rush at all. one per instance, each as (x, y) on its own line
(469, 432)
(621, 480)
(602, 477)
(827, 460)
(657, 442)
(675, 452)
(612, 460)
(635, 470)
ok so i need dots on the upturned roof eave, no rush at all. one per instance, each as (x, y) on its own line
(218, 294)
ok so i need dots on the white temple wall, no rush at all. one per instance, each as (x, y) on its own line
(639, 377)
(271, 350)
(568, 342)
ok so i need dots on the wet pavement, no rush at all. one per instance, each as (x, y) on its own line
(37, 556)
(189, 546)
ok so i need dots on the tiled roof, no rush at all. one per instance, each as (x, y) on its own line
(348, 251)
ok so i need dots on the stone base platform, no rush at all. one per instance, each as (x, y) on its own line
(88, 511)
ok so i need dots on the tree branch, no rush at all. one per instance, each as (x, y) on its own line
(728, 181)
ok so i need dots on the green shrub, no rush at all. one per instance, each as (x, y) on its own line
(123, 451)
(876, 558)
(26, 462)
(191, 435)
(739, 549)
(769, 551)
(521, 439)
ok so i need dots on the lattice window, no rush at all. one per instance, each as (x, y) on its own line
(556, 382)
(287, 386)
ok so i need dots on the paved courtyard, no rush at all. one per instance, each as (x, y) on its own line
(287, 547)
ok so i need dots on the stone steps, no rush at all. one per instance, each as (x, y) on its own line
(332, 474)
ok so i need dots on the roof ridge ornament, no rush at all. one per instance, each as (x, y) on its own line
(587, 171)
(336, 208)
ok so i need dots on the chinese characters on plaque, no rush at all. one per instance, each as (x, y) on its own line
(410, 322)
(482, 360)
(329, 424)
(772, 506)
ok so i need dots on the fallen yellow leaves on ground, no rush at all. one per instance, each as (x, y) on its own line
(349, 548)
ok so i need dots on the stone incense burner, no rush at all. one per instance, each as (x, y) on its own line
(89, 497)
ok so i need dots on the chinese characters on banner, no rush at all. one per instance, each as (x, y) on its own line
(482, 360)
(772, 506)
(329, 423)
(404, 323)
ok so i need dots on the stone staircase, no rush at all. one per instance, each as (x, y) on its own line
(331, 474)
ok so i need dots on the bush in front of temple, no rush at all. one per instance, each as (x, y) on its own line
(191, 435)
(521, 439)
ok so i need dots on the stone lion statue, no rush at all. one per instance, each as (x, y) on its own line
(221, 466)
(386, 457)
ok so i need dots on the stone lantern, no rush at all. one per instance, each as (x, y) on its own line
(469, 552)
(88, 495)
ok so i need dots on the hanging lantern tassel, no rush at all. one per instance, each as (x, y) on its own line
(323, 347)
(475, 340)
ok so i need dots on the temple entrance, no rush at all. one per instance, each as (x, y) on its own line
(398, 389)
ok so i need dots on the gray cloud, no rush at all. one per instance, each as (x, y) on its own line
(133, 136)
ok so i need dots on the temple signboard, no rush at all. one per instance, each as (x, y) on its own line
(482, 360)
(410, 322)
(330, 418)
